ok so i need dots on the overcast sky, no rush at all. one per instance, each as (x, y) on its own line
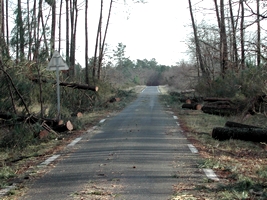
(157, 29)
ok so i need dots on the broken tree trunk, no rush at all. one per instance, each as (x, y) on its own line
(230, 124)
(247, 134)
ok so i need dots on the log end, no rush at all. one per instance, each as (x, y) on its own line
(69, 126)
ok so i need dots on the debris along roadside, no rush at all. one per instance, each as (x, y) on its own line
(240, 165)
(20, 166)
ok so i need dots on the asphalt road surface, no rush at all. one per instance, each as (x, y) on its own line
(138, 154)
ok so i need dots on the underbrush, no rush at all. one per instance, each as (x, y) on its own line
(240, 165)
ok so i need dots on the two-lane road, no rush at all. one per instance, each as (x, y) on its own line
(137, 154)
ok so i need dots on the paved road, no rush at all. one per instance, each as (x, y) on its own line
(138, 154)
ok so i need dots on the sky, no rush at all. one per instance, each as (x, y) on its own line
(157, 29)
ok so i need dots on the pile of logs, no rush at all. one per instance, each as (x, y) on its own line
(233, 130)
(215, 106)
(219, 106)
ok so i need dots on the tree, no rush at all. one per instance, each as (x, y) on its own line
(198, 50)
(119, 54)
(258, 35)
(20, 30)
(242, 35)
(223, 40)
(233, 35)
(1, 29)
(86, 45)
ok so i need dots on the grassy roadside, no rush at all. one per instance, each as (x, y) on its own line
(241, 166)
(18, 165)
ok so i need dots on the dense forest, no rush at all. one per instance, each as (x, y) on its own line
(228, 58)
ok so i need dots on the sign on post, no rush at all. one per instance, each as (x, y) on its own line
(56, 64)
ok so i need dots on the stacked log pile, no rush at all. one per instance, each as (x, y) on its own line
(219, 106)
(233, 130)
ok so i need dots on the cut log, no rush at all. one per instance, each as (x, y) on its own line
(60, 122)
(194, 106)
(188, 101)
(214, 99)
(43, 134)
(223, 108)
(247, 134)
(114, 99)
(63, 127)
(238, 125)
(79, 114)
(219, 111)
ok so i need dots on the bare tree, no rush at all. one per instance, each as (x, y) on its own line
(258, 35)
(101, 53)
(98, 35)
(59, 26)
(198, 50)
(242, 35)
(29, 30)
(86, 45)
(73, 21)
(234, 43)
(1, 27)
(53, 28)
(67, 34)
(223, 41)
(21, 31)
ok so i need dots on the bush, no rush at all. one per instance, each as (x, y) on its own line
(20, 137)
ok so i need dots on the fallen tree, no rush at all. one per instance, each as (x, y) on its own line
(79, 86)
(65, 84)
(247, 134)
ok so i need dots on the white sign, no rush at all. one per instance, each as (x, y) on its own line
(57, 62)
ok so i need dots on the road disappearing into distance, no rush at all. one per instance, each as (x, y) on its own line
(140, 153)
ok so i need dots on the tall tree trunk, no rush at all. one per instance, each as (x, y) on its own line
(21, 31)
(67, 34)
(86, 44)
(74, 16)
(100, 45)
(235, 53)
(34, 26)
(103, 43)
(97, 39)
(37, 32)
(258, 35)
(242, 35)
(7, 28)
(223, 41)
(59, 26)
(29, 31)
(53, 28)
(217, 14)
(1, 28)
(198, 50)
